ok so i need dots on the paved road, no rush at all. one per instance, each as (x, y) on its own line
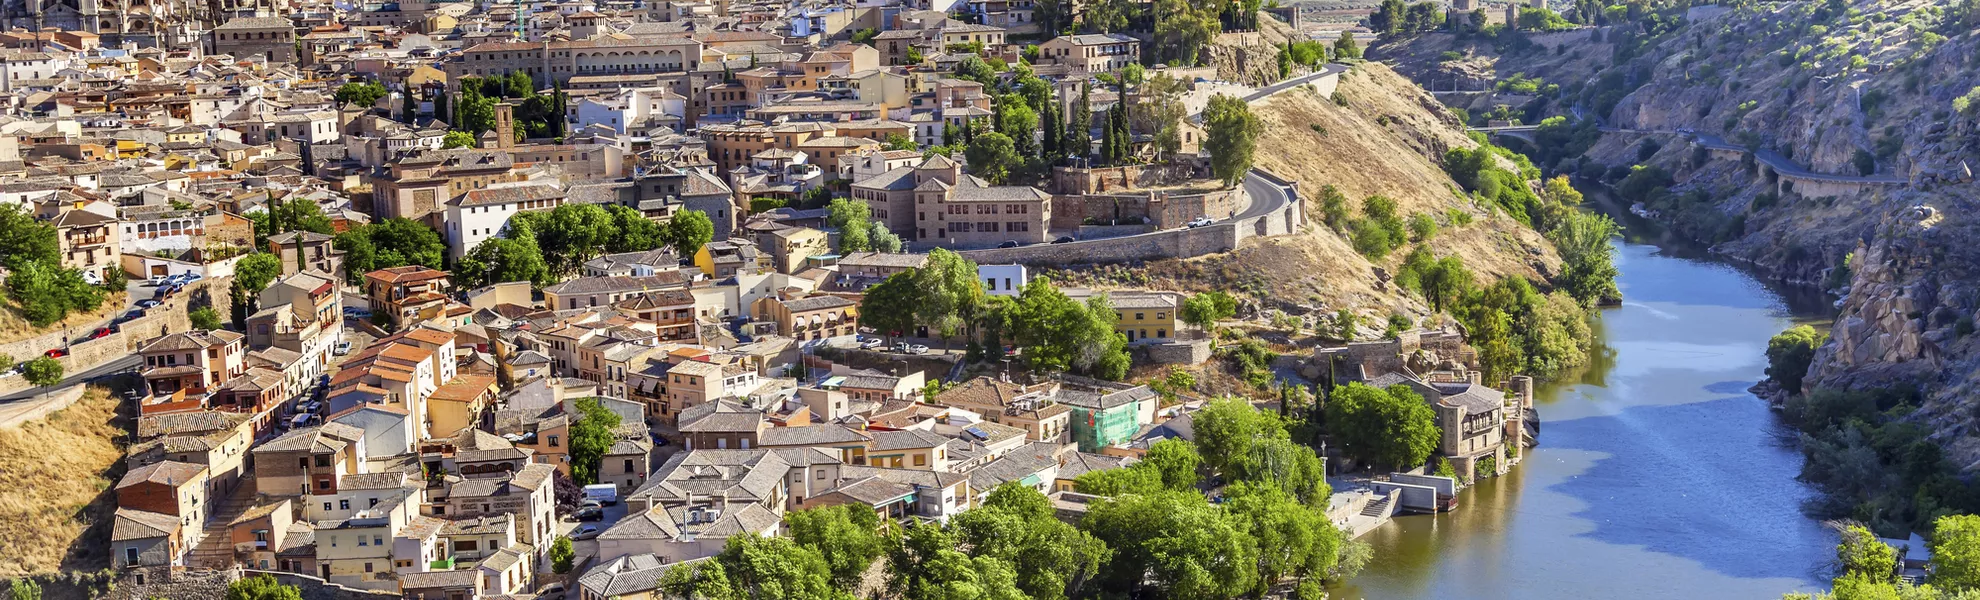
(1779, 163)
(1270, 90)
(92, 374)
(1265, 196)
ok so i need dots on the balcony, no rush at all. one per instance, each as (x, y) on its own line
(77, 241)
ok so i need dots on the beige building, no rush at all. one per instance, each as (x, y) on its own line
(1091, 53)
(806, 318)
(1033, 408)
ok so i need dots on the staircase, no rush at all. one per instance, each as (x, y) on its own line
(1378, 508)
(216, 549)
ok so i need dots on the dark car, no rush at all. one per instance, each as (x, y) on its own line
(1008, 244)
(589, 513)
(129, 316)
(1064, 239)
(145, 304)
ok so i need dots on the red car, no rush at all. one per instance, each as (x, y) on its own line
(56, 353)
(101, 332)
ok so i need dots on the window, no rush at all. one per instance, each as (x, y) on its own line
(343, 505)
(361, 541)
(367, 567)
(130, 556)
(921, 460)
(629, 465)
(553, 441)
(326, 507)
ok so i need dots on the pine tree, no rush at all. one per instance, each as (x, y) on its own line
(411, 106)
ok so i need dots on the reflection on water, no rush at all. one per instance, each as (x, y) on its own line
(1658, 475)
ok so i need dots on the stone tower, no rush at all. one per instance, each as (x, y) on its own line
(505, 125)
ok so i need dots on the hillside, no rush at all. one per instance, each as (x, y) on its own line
(1386, 141)
(1878, 88)
(55, 488)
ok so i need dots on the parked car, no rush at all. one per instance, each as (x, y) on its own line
(589, 513)
(146, 304)
(342, 348)
(191, 277)
(56, 352)
(1064, 239)
(1201, 221)
(906, 348)
(92, 278)
(155, 279)
(870, 343)
(102, 332)
(128, 316)
(554, 591)
(1008, 244)
(357, 313)
(584, 533)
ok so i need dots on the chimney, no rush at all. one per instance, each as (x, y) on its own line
(1476, 377)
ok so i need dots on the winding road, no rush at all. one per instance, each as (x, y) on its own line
(1783, 165)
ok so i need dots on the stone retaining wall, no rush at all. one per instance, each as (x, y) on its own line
(1172, 243)
(87, 354)
(1179, 352)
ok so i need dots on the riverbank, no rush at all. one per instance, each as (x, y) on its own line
(1660, 475)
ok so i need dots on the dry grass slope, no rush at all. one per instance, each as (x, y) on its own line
(1386, 141)
(56, 476)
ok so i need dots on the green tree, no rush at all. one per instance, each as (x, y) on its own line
(1445, 282)
(1079, 123)
(889, 306)
(1175, 542)
(1861, 553)
(1230, 134)
(251, 275)
(1016, 525)
(261, 587)
(847, 536)
(204, 318)
(44, 293)
(688, 231)
(1016, 120)
(1588, 269)
(854, 220)
(1956, 552)
(1107, 16)
(1334, 207)
(23, 588)
(1789, 355)
(949, 291)
(562, 557)
(1345, 46)
(1227, 429)
(1176, 460)
(632, 231)
(1182, 30)
(457, 139)
(503, 259)
(1294, 540)
(1422, 227)
(1205, 309)
(1392, 427)
(776, 568)
(591, 437)
(43, 371)
(299, 214)
(571, 234)
(972, 68)
(24, 239)
(1052, 16)
(994, 157)
(897, 141)
(1346, 324)
(884, 240)
(705, 580)
(361, 93)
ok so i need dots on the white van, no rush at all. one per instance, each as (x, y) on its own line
(605, 493)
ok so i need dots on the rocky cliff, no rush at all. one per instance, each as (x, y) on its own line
(1882, 88)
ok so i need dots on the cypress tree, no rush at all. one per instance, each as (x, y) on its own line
(1054, 125)
(411, 107)
(1079, 136)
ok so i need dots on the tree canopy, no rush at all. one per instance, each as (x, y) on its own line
(1393, 427)
(1230, 136)
(591, 437)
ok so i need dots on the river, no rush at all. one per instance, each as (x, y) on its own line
(1657, 474)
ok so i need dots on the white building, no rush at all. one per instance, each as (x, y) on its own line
(635, 110)
(1002, 280)
(484, 213)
